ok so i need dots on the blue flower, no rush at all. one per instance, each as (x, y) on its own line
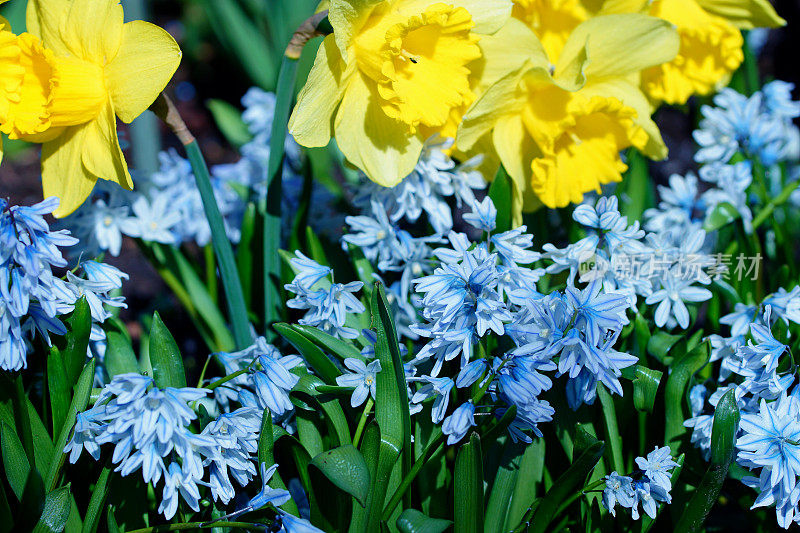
(267, 494)
(440, 389)
(483, 215)
(362, 378)
(457, 424)
(327, 307)
(670, 298)
(657, 466)
(309, 272)
(618, 490)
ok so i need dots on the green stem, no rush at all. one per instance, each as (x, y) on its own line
(222, 248)
(778, 201)
(23, 421)
(612, 429)
(222, 381)
(203, 373)
(271, 206)
(198, 525)
(362, 422)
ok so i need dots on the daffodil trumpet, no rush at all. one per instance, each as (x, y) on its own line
(558, 124)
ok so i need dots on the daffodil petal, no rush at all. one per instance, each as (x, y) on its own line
(1, 149)
(102, 154)
(516, 150)
(501, 98)
(506, 51)
(63, 173)
(347, 17)
(147, 59)
(570, 74)
(745, 14)
(610, 7)
(621, 44)
(44, 18)
(375, 143)
(93, 29)
(488, 15)
(311, 120)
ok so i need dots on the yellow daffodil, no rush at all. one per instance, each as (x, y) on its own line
(392, 74)
(83, 68)
(709, 30)
(711, 44)
(558, 126)
(10, 74)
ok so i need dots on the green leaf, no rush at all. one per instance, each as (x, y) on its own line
(342, 349)
(95, 508)
(391, 404)
(315, 247)
(5, 510)
(641, 337)
(723, 214)
(503, 487)
(645, 387)
(120, 357)
(334, 415)
(468, 485)
(313, 355)
(56, 511)
(58, 388)
(165, 356)
(370, 451)
(345, 467)
(79, 400)
(500, 192)
(661, 343)
(682, 369)
(266, 454)
(229, 121)
(611, 427)
(15, 462)
(723, 447)
(531, 472)
(413, 521)
(568, 484)
(79, 326)
(636, 187)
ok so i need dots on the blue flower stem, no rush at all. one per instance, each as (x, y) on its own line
(362, 422)
(229, 377)
(166, 111)
(199, 525)
(270, 207)
(612, 429)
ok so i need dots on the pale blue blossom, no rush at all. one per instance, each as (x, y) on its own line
(483, 215)
(457, 424)
(362, 377)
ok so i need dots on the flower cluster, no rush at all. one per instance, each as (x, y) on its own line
(647, 486)
(32, 297)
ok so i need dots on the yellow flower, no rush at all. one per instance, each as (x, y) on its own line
(10, 74)
(551, 20)
(92, 69)
(711, 44)
(392, 74)
(558, 126)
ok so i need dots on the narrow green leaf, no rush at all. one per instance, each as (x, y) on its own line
(313, 355)
(723, 214)
(22, 422)
(568, 484)
(413, 521)
(345, 467)
(237, 311)
(266, 454)
(165, 356)
(645, 387)
(370, 451)
(95, 508)
(641, 337)
(723, 447)
(15, 462)
(526, 487)
(56, 511)
(391, 403)
(503, 487)
(661, 343)
(79, 326)
(79, 400)
(363, 269)
(229, 121)
(271, 207)
(315, 247)
(611, 427)
(468, 486)
(5, 510)
(501, 194)
(683, 368)
(636, 188)
(120, 357)
(58, 388)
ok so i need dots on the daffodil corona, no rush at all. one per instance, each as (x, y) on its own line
(81, 68)
(392, 74)
(558, 126)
